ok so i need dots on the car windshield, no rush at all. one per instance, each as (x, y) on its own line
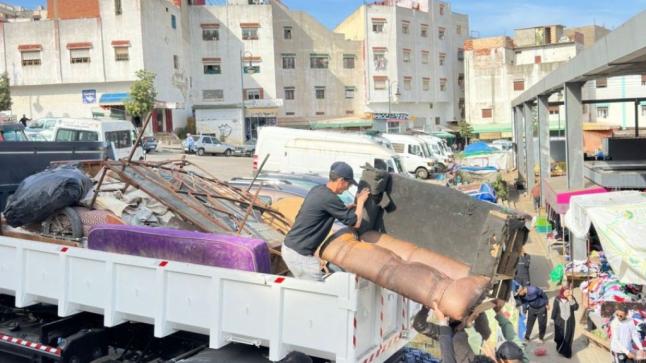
(36, 124)
(425, 149)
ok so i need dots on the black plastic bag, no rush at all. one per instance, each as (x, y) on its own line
(42, 194)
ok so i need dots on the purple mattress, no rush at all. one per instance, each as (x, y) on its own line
(220, 250)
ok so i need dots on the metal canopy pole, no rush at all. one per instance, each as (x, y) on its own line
(543, 143)
(636, 118)
(529, 143)
(574, 135)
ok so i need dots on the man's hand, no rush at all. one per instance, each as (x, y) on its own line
(498, 305)
(363, 196)
(630, 355)
(442, 319)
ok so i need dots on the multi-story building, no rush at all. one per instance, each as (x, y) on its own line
(414, 62)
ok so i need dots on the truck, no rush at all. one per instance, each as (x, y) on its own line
(414, 153)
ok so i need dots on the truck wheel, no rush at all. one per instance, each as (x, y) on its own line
(200, 152)
(421, 173)
(228, 152)
(64, 223)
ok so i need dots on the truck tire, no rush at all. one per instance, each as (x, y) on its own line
(200, 152)
(64, 220)
(228, 152)
(421, 173)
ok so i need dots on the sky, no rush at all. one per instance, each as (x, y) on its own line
(487, 18)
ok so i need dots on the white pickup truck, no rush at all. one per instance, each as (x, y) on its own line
(343, 319)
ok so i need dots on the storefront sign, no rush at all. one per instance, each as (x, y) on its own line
(89, 96)
(402, 116)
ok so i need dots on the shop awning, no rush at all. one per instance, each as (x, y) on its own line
(507, 128)
(340, 123)
(117, 98)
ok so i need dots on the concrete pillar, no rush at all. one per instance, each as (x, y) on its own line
(543, 142)
(574, 135)
(519, 131)
(529, 144)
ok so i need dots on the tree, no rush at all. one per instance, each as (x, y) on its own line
(465, 130)
(141, 101)
(5, 93)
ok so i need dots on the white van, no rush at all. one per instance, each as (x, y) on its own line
(288, 152)
(414, 153)
(121, 133)
(438, 149)
(42, 129)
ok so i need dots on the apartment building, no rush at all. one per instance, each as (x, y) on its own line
(414, 62)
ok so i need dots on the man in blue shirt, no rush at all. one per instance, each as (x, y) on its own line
(535, 302)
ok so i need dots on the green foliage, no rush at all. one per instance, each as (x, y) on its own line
(5, 93)
(501, 188)
(181, 132)
(465, 130)
(142, 94)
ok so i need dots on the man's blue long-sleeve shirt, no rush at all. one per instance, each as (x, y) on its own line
(535, 298)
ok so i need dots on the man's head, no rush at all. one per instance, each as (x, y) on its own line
(621, 312)
(522, 291)
(341, 177)
(508, 352)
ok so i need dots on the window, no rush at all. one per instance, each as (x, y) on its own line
(442, 9)
(319, 61)
(320, 113)
(380, 82)
(460, 54)
(289, 61)
(250, 33)
(408, 83)
(349, 112)
(443, 84)
(442, 58)
(348, 61)
(210, 34)
(602, 111)
(80, 55)
(643, 110)
(458, 29)
(425, 54)
(602, 82)
(405, 27)
(519, 85)
(441, 33)
(537, 59)
(287, 32)
(76, 135)
(289, 93)
(461, 80)
(643, 79)
(486, 113)
(30, 58)
(212, 68)
(290, 113)
(173, 22)
(379, 57)
(424, 31)
(206, 140)
(121, 54)
(393, 128)
(212, 94)
(118, 10)
(349, 92)
(426, 83)
(554, 110)
(121, 139)
(406, 55)
(175, 62)
(319, 93)
(250, 67)
(378, 25)
(253, 93)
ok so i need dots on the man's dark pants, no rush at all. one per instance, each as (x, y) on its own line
(532, 315)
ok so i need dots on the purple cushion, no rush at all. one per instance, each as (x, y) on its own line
(220, 250)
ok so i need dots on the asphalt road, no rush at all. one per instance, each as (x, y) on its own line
(222, 167)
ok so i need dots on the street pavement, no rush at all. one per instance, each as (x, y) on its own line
(222, 167)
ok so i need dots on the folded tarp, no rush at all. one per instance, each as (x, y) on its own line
(619, 219)
(478, 148)
(220, 250)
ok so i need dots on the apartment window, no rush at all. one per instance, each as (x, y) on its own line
(442, 58)
(175, 62)
(348, 61)
(393, 128)
(443, 84)
(426, 83)
(406, 55)
(320, 113)
(486, 113)
(287, 32)
(210, 34)
(173, 22)
(423, 32)
(379, 58)
(289, 61)
(378, 25)
(349, 112)
(253, 94)
(519, 85)
(319, 61)
(554, 110)
(425, 54)
(212, 94)
(80, 55)
(319, 92)
(212, 68)
(643, 110)
(290, 113)
(118, 10)
(405, 27)
(602, 111)
(408, 83)
(458, 29)
(441, 33)
(249, 31)
(602, 82)
(538, 59)
(643, 79)
(461, 80)
(349, 92)
(380, 82)
(460, 54)
(30, 58)
(121, 54)
(442, 9)
(289, 93)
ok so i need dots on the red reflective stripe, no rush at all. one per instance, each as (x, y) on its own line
(163, 264)
(279, 280)
(31, 345)
(64, 249)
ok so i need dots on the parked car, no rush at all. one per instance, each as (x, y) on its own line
(12, 131)
(246, 149)
(149, 144)
(205, 144)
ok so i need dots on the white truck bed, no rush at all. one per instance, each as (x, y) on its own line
(344, 319)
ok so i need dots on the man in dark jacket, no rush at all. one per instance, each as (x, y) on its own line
(535, 302)
(522, 270)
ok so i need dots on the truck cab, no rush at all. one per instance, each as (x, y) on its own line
(414, 154)
(12, 131)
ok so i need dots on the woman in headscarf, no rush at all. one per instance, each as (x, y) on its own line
(563, 315)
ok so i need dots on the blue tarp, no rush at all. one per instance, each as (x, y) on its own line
(478, 148)
(486, 193)
(113, 98)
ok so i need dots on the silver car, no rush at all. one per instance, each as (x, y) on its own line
(211, 145)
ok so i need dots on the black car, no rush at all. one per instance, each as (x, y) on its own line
(149, 144)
